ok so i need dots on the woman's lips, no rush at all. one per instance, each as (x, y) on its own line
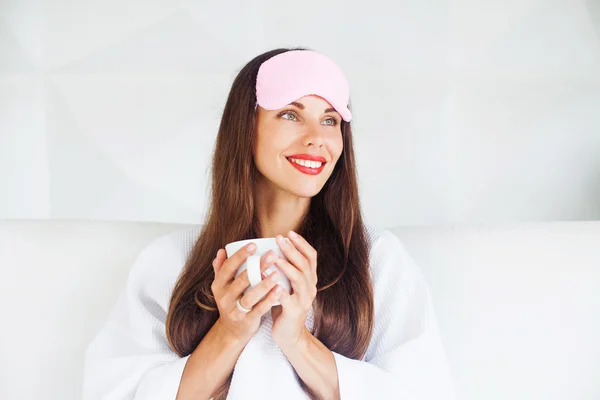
(307, 170)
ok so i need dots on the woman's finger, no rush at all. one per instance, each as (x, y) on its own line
(232, 264)
(296, 258)
(218, 260)
(254, 295)
(265, 305)
(305, 248)
(295, 276)
(241, 282)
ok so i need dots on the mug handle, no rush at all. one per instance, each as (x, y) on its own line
(253, 268)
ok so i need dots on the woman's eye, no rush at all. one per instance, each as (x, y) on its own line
(292, 117)
(290, 114)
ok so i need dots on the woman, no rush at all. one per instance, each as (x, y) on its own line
(359, 322)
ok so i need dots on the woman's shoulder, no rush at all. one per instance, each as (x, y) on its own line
(183, 239)
(161, 260)
(381, 238)
(388, 255)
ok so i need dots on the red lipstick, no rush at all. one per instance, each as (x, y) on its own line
(308, 157)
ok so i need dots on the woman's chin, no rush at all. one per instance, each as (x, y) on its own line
(307, 191)
(299, 187)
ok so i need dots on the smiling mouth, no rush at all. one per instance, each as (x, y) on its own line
(307, 167)
(306, 163)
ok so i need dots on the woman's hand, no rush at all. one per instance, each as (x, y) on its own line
(289, 319)
(227, 290)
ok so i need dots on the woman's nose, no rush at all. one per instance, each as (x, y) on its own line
(314, 135)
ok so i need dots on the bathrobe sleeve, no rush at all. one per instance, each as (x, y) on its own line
(405, 359)
(130, 357)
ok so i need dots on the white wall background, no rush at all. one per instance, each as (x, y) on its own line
(466, 111)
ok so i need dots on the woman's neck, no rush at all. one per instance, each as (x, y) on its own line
(277, 215)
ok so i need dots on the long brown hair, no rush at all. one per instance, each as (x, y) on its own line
(333, 225)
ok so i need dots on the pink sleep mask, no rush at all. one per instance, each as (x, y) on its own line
(289, 76)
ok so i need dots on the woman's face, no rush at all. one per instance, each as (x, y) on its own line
(309, 126)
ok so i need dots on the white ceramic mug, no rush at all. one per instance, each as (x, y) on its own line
(263, 245)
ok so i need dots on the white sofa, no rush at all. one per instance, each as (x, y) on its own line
(518, 305)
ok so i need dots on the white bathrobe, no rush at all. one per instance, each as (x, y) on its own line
(405, 360)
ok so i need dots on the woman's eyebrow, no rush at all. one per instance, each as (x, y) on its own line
(301, 106)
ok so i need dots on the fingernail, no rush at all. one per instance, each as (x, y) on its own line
(251, 247)
(293, 234)
(274, 276)
(268, 271)
(278, 290)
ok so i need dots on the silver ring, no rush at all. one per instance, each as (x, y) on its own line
(241, 308)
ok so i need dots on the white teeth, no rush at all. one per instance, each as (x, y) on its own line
(306, 163)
